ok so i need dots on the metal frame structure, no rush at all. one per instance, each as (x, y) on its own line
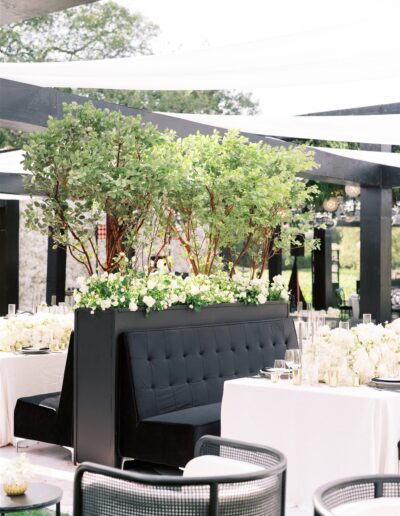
(355, 489)
(179, 481)
(26, 108)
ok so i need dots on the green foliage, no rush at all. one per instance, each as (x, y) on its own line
(210, 102)
(92, 31)
(234, 194)
(90, 163)
(210, 192)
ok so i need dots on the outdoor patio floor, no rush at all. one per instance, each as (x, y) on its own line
(53, 464)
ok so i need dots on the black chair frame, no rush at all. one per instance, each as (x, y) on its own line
(176, 481)
(322, 507)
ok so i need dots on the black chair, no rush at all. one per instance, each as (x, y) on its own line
(104, 491)
(48, 417)
(351, 490)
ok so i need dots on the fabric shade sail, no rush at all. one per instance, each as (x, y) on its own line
(11, 173)
(303, 66)
(379, 129)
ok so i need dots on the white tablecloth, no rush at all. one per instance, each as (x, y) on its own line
(326, 433)
(26, 375)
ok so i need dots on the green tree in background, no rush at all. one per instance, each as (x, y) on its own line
(99, 31)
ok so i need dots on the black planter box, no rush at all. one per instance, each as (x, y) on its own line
(95, 369)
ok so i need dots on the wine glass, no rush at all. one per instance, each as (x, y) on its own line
(289, 358)
(296, 358)
(280, 364)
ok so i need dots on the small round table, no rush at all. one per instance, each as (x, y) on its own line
(37, 496)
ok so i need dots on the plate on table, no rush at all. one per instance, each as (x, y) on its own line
(386, 380)
(285, 373)
(385, 383)
(33, 351)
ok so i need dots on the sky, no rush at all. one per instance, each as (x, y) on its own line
(188, 24)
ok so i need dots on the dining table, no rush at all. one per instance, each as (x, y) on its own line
(326, 433)
(26, 375)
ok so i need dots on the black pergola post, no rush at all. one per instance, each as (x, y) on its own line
(322, 292)
(275, 266)
(376, 252)
(9, 254)
(56, 272)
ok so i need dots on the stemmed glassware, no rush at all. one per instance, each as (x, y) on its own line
(293, 358)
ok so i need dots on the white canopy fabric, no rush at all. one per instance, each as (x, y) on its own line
(11, 162)
(299, 65)
(380, 129)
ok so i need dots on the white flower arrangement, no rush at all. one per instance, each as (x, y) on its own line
(37, 330)
(368, 350)
(163, 289)
(17, 471)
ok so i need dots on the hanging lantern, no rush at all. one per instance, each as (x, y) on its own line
(352, 190)
(330, 204)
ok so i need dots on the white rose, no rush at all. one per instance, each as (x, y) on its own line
(133, 306)
(149, 301)
(174, 298)
(151, 284)
(194, 290)
(106, 303)
(261, 299)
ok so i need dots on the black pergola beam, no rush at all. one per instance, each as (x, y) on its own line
(379, 109)
(11, 184)
(26, 107)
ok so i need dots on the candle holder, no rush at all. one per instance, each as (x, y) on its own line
(356, 380)
(333, 377)
(15, 489)
(297, 376)
(274, 376)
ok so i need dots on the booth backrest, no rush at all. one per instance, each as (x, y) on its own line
(177, 368)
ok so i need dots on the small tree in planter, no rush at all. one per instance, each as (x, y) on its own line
(243, 197)
(93, 163)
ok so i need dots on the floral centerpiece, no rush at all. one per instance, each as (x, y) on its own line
(162, 289)
(368, 350)
(15, 475)
(37, 331)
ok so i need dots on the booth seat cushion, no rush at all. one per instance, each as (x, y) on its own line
(35, 417)
(173, 435)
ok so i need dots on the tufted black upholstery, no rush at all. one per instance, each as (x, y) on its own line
(172, 382)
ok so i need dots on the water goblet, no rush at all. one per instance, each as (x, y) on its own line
(344, 325)
(11, 310)
(280, 365)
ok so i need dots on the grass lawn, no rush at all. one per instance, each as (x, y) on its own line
(348, 278)
(43, 512)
